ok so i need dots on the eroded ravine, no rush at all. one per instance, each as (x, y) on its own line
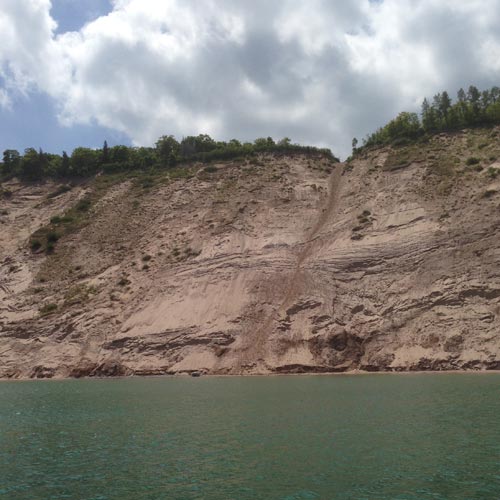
(252, 353)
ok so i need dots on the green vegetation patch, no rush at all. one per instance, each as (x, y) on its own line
(5, 193)
(493, 172)
(79, 294)
(403, 157)
(83, 205)
(472, 161)
(47, 309)
(64, 188)
(45, 238)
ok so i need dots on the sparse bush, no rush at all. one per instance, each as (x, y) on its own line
(79, 294)
(52, 237)
(60, 190)
(181, 173)
(83, 205)
(123, 281)
(146, 258)
(401, 141)
(47, 309)
(493, 172)
(58, 219)
(210, 169)
(35, 245)
(147, 183)
(472, 161)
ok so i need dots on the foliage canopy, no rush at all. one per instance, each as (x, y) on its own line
(472, 108)
(167, 153)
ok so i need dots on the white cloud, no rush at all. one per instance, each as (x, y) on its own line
(319, 71)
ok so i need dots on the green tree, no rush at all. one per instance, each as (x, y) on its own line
(462, 105)
(65, 165)
(261, 143)
(474, 96)
(404, 125)
(84, 161)
(285, 142)
(429, 118)
(445, 105)
(142, 158)
(493, 112)
(11, 162)
(167, 150)
(485, 99)
(31, 167)
(105, 152)
(119, 154)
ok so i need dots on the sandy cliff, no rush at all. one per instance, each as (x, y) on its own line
(288, 264)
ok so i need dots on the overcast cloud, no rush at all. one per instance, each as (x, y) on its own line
(317, 71)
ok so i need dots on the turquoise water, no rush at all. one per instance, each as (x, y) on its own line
(341, 437)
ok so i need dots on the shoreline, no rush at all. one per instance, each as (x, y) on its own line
(353, 373)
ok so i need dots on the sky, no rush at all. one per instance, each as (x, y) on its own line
(78, 72)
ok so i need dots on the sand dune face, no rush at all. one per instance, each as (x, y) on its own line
(296, 264)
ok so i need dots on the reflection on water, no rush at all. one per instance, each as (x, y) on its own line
(341, 437)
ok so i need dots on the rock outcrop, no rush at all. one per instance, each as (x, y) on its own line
(287, 265)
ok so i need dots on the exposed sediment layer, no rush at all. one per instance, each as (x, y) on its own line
(294, 265)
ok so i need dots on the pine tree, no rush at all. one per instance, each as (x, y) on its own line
(473, 96)
(105, 153)
(65, 165)
(428, 116)
(445, 105)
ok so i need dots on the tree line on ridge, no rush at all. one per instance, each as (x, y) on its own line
(168, 152)
(471, 109)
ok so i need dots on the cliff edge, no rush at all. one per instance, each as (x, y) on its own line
(280, 264)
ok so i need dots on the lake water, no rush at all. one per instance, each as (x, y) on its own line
(339, 437)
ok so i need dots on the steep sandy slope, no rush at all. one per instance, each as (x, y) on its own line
(294, 264)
